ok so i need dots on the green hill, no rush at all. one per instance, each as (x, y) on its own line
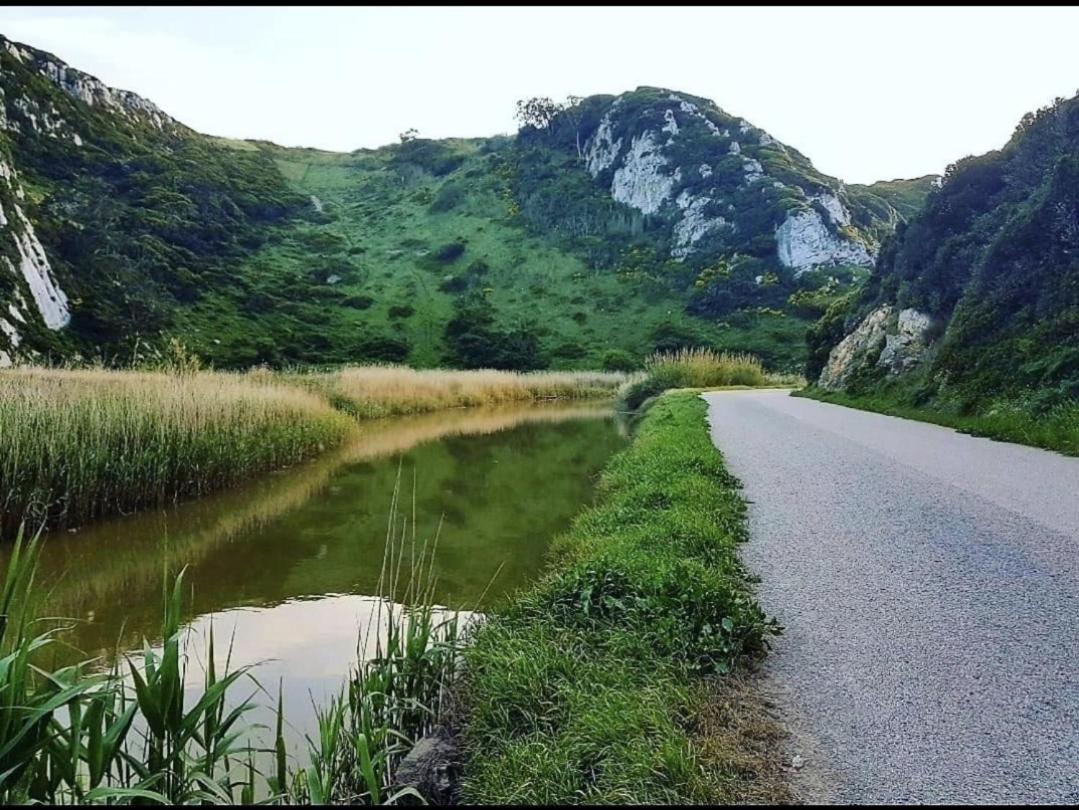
(976, 300)
(602, 231)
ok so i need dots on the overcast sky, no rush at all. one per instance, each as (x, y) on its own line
(867, 94)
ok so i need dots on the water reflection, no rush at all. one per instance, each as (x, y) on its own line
(502, 482)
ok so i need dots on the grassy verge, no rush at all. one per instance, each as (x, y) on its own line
(600, 683)
(1055, 429)
(79, 445)
(377, 391)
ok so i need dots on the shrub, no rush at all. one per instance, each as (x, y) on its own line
(358, 301)
(450, 252)
(619, 360)
(449, 197)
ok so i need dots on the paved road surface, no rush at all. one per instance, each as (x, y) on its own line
(929, 584)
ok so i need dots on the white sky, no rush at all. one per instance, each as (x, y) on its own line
(866, 94)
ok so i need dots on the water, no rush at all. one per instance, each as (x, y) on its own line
(288, 567)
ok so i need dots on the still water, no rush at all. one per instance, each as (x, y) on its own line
(288, 567)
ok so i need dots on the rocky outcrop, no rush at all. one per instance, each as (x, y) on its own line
(894, 342)
(803, 242)
(641, 182)
(683, 156)
(906, 346)
(695, 223)
(432, 768)
(88, 89)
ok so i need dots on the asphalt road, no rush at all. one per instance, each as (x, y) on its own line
(929, 586)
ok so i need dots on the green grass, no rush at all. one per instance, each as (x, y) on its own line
(1057, 428)
(591, 685)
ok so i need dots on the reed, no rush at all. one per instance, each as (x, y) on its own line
(81, 444)
(141, 733)
(377, 391)
(695, 368)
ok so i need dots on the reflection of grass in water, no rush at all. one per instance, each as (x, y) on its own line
(123, 560)
(398, 691)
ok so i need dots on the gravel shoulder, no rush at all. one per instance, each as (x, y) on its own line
(929, 584)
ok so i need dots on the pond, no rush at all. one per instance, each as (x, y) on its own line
(287, 569)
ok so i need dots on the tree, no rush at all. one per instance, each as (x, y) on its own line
(572, 112)
(541, 112)
(537, 112)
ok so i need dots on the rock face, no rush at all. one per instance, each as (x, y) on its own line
(641, 182)
(684, 165)
(90, 90)
(431, 768)
(803, 242)
(27, 269)
(906, 346)
(895, 342)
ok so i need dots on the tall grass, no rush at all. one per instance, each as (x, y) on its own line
(376, 391)
(78, 445)
(695, 368)
(399, 690)
(703, 368)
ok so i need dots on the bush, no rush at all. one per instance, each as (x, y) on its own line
(381, 347)
(619, 360)
(358, 301)
(693, 368)
(449, 197)
(450, 252)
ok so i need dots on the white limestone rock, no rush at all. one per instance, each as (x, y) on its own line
(906, 346)
(804, 242)
(602, 150)
(640, 182)
(694, 224)
(895, 342)
(670, 125)
(11, 333)
(752, 169)
(853, 351)
(837, 212)
(33, 264)
(95, 93)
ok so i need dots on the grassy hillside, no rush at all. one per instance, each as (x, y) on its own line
(406, 240)
(623, 225)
